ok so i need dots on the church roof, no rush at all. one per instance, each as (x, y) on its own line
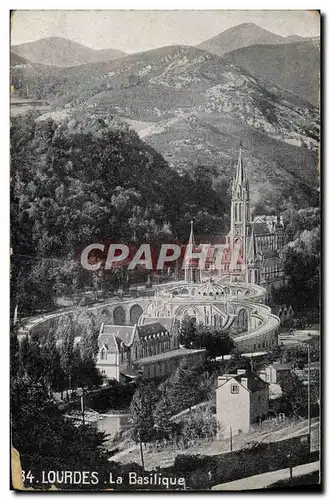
(210, 288)
(167, 322)
(123, 333)
(150, 329)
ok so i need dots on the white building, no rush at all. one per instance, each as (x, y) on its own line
(241, 400)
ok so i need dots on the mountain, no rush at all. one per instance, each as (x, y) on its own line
(294, 66)
(16, 60)
(243, 35)
(57, 51)
(194, 108)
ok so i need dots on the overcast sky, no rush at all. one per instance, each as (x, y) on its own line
(134, 31)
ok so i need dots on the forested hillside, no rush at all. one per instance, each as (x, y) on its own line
(194, 108)
(87, 180)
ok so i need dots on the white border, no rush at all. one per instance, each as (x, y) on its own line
(4, 174)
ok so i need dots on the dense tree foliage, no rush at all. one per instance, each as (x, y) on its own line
(86, 180)
(141, 412)
(302, 261)
(45, 439)
(198, 336)
(152, 407)
(59, 363)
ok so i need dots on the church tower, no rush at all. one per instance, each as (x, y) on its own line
(241, 227)
(192, 273)
(240, 201)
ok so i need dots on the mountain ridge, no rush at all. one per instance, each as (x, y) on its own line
(62, 52)
(294, 66)
(243, 35)
(194, 108)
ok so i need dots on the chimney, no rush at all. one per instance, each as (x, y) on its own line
(244, 381)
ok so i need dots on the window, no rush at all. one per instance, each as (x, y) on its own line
(235, 389)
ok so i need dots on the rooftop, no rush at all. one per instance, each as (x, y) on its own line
(168, 355)
(152, 328)
(254, 382)
(123, 332)
(167, 322)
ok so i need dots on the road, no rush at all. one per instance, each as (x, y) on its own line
(261, 481)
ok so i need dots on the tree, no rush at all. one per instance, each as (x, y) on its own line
(294, 395)
(54, 375)
(200, 424)
(65, 332)
(162, 416)
(183, 388)
(188, 332)
(141, 412)
(45, 439)
(216, 342)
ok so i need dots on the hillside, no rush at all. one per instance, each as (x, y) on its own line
(194, 108)
(294, 66)
(16, 60)
(57, 51)
(243, 35)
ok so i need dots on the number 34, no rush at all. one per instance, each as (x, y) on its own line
(27, 476)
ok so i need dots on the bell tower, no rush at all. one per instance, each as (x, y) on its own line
(240, 226)
(240, 201)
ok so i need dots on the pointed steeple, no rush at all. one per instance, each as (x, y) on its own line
(241, 184)
(239, 168)
(192, 273)
(191, 236)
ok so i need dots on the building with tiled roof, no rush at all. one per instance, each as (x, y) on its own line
(148, 350)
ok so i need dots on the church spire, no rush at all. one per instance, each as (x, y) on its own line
(191, 237)
(239, 169)
(192, 273)
(240, 184)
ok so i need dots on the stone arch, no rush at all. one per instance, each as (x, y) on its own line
(243, 319)
(188, 310)
(134, 314)
(119, 316)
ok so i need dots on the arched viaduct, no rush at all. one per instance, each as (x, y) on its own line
(244, 302)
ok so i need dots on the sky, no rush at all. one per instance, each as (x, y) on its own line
(139, 30)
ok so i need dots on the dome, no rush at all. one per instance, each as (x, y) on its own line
(210, 289)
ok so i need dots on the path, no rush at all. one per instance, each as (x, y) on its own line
(261, 481)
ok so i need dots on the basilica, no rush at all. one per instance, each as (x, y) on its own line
(228, 297)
